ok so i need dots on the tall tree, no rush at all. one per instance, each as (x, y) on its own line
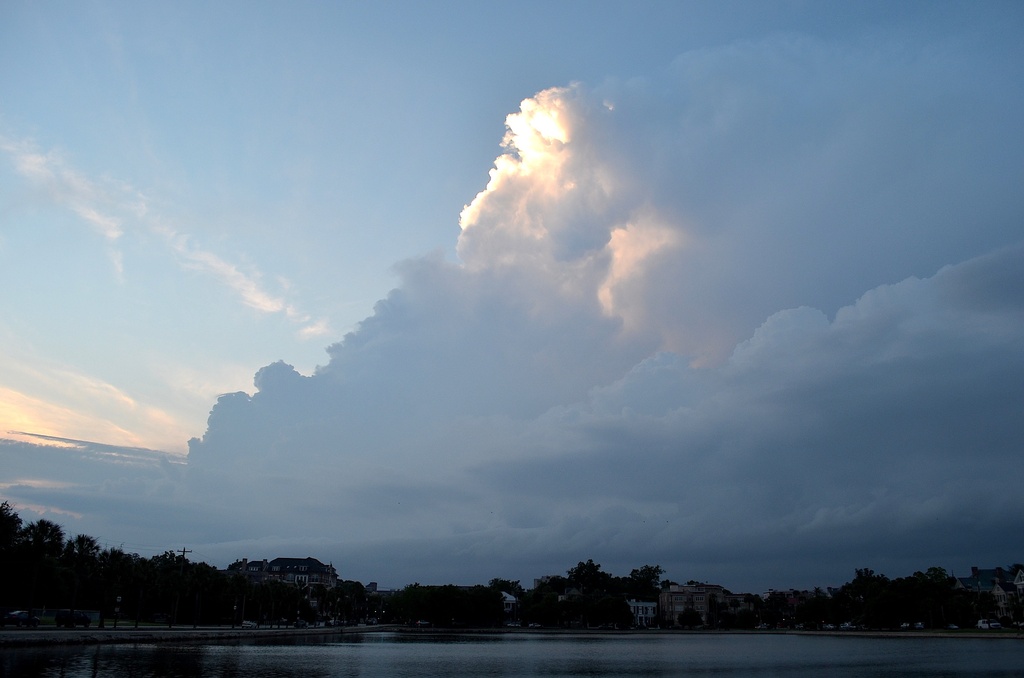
(115, 568)
(589, 577)
(11, 578)
(645, 581)
(80, 556)
(42, 542)
(10, 528)
(508, 586)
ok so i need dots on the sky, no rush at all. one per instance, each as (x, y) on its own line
(444, 292)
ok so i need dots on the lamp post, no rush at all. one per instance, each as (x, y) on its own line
(117, 610)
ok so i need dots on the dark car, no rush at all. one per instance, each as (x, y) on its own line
(20, 618)
(69, 619)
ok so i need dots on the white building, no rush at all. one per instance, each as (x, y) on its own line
(645, 613)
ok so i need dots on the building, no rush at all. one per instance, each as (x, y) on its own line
(645, 613)
(783, 603)
(705, 599)
(982, 580)
(1007, 588)
(304, 573)
(708, 600)
(510, 605)
(1004, 594)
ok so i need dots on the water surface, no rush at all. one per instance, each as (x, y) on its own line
(528, 655)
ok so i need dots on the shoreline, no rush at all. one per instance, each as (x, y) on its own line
(51, 637)
(106, 636)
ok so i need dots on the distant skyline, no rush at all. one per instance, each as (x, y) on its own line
(459, 291)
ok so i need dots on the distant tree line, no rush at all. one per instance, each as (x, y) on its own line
(447, 606)
(41, 568)
(874, 601)
(587, 596)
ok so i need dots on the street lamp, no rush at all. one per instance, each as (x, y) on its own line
(117, 611)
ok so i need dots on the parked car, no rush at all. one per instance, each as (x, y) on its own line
(20, 618)
(249, 624)
(69, 620)
(301, 623)
(989, 624)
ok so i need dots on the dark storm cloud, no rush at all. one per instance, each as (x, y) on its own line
(757, 319)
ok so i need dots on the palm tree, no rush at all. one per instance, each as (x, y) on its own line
(115, 569)
(146, 577)
(42, 541)
(80, 554)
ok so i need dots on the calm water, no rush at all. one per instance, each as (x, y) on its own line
(532, 655)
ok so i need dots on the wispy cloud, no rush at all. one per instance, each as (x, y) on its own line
(111, 208)
(245, 285)
(66, 408)
(103, 204)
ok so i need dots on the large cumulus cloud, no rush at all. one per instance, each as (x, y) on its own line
(754, 318)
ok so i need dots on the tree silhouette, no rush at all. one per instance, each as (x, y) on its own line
(42, 542)
(80, 557)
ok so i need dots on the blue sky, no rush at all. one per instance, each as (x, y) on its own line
(473, 276)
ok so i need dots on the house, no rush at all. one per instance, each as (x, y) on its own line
(645, 613)
(255, 571)
(569, 594)
(981, 580)
(705, 599)
(708, 600)
(1007, 588)
(510, 605)
(1004, 594)
(303, 573)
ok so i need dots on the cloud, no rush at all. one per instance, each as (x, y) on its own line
(607, 370)
(101, 204)
(110, 206)
(115, 493)
(49, 398)
(751, 178)
(43, 393)
(757, 319)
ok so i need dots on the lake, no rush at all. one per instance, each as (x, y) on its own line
(528, 655)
